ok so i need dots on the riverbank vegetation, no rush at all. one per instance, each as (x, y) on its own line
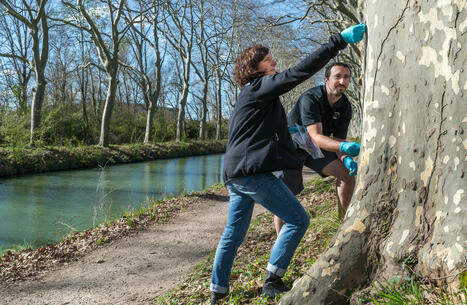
(23, 262)
(15, 161)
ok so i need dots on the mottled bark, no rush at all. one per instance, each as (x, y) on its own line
(108, 107)
(219, 107)
(409, 206)
(203, 132)
(181, 112)
(40, 55)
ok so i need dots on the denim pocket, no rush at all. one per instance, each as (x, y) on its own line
(248, 184)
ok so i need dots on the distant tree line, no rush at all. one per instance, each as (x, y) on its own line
(121, 71)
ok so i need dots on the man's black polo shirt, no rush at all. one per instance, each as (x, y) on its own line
(313, 107)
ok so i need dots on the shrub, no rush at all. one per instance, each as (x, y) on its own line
(62, 126)
(14, 129)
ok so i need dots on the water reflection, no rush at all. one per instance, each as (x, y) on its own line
(38, 209)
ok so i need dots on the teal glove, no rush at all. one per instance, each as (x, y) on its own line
(354, 33)
(351, 165)
(295, 129)
(350, 148)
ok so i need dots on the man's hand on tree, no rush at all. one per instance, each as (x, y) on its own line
(350, 148)
(354, 33)
(351, 165)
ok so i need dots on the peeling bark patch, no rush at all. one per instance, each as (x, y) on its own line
(412, 165)
(404, 236)
(447, 254)
(330, 270)
(388, 250)
(385, 90)
(418, 215)
(357, 226)
(400, 56)
(425, 175)
(429, 54)
(458, 196)
(399, 20)
(446, 159)
(365, 159)
(392, 141)
(371, 132)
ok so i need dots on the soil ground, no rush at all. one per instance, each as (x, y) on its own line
(134, 269)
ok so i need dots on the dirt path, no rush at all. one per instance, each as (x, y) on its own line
(134, 269)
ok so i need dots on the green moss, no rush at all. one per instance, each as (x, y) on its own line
(463, 280)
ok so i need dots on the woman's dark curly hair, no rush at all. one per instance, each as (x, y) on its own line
(246, 64)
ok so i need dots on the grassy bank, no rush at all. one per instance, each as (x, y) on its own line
(18, 161)
(248, 272)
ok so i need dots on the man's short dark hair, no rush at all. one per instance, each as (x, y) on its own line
(328, 68)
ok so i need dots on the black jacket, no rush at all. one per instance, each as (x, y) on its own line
(259, 141)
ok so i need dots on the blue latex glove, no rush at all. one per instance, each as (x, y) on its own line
(295, 129)
(350, 148)
(351, 165)
(354, 33)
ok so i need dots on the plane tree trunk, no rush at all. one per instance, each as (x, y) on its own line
(409, 207)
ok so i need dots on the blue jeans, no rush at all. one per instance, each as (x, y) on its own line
(271, 193)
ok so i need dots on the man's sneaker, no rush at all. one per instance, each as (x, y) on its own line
(273, 285)
(216, 296)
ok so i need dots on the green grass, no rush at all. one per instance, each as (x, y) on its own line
(463, 279)
(248, 272)
(413, 291)
(15, 249)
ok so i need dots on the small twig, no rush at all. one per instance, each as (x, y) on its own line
(68, 226)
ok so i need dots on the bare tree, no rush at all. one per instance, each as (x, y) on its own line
(34, 17)
(107, 46)
(61, 68)
(223, 47)
(204, 72)
(408, 213)
(17, 71)
(150, 76)
(179, 31)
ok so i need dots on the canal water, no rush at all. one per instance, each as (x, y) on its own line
(40, 209)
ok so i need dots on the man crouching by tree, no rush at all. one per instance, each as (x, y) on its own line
(326, 111)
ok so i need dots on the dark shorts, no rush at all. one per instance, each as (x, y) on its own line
(293, 177)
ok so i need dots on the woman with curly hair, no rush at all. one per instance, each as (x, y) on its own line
(259, 143)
